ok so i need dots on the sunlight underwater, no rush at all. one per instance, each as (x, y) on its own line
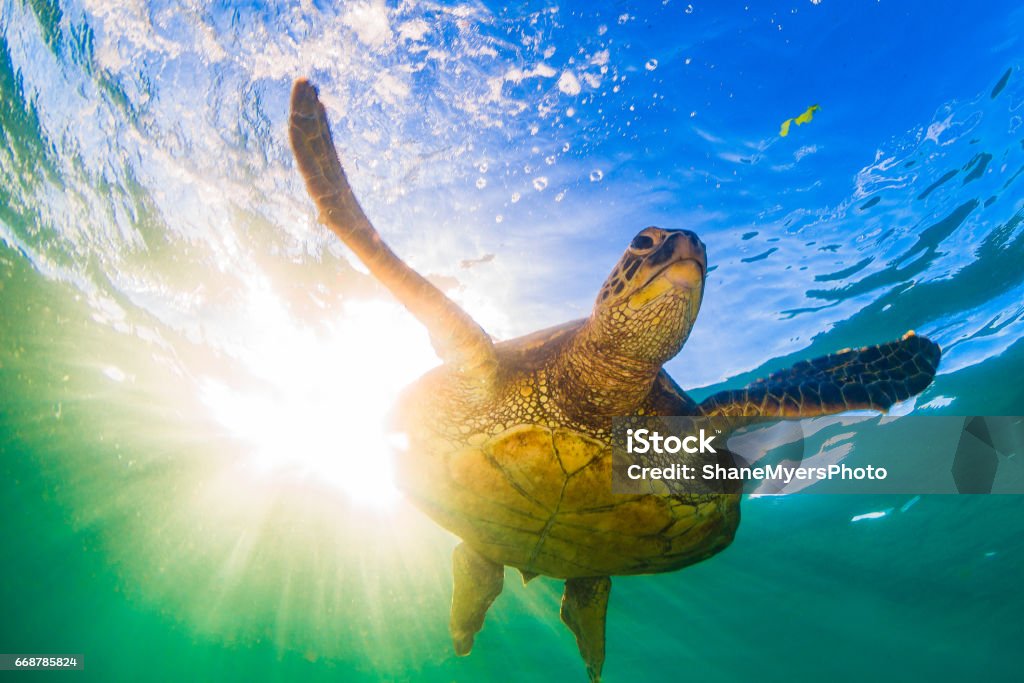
(227, 377)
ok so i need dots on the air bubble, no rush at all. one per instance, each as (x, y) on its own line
(651, 64)
(596, 175)
(539, 183)
(481, 183)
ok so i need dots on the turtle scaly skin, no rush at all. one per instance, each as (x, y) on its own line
(510, 443)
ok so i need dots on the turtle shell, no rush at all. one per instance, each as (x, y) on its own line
(528, 487)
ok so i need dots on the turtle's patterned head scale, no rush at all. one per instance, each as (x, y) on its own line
(649, 303)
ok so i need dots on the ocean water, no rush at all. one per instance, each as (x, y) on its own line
(194, 377)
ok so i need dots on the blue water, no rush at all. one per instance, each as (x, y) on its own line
(193, 375)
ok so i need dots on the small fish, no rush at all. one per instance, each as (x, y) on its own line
(910, 503)
(871, 515)
(799, 120)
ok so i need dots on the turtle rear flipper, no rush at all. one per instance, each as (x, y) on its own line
(456, 336)
(478, 581)
(584, 608)
(872, 377)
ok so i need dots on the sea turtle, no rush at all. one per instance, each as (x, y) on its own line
(509, 443)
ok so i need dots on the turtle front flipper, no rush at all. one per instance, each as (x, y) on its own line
(456, 336)
(584, 608)
(478, 581)
(872, 377)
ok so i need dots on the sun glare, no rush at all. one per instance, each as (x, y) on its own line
(319, 412)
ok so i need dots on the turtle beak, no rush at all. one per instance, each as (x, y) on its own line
(682, 258)
(679, 264)
(688, 273)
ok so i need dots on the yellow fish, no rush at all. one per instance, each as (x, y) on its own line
(800, 120)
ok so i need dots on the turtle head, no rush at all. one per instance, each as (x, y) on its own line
(648, 304)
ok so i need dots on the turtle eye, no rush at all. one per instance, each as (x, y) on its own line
(641, 242)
